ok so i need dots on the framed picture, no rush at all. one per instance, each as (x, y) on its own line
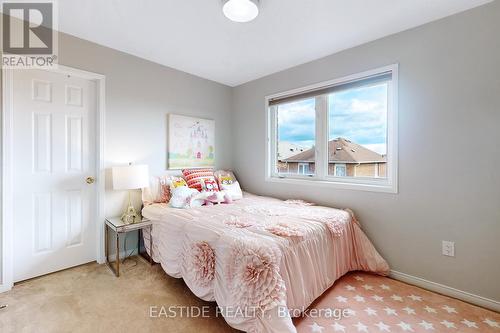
(191, 142)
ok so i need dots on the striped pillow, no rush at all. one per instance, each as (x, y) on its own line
(194, 176)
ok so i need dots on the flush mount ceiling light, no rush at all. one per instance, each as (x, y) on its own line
(241, 10)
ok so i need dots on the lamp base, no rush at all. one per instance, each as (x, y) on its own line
(130, 215)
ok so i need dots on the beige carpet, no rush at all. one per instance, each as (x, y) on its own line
(90, 298)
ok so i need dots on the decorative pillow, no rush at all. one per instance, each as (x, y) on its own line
(224, 177)
(164, 193)
(182, 197)
(233, 190)
(198, 199)
(177, 182)
(159, 189)
(209, 185)
(167, 183)
(194, 177)
(148, 197)
(156, 192)
(217, 198)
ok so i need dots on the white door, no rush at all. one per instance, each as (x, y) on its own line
(54, 153)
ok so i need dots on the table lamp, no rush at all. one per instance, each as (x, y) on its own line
(131, 177)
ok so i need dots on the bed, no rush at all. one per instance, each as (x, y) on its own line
(261, 259)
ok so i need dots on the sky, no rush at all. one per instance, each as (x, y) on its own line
(359, 115)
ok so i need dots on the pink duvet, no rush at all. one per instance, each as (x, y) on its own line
(260, 257)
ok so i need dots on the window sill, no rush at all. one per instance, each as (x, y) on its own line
(341, 185)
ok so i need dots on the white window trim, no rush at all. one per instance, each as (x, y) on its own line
(321, 177)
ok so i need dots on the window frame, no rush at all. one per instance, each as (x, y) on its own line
(321, 177)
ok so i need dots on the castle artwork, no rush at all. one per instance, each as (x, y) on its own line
(191, 142)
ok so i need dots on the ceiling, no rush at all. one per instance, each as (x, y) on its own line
(195, 37)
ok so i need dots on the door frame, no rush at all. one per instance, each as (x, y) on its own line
(7, 207)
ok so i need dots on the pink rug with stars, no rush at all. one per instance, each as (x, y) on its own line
(378, 304)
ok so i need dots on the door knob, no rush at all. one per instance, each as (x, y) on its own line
(90, 180)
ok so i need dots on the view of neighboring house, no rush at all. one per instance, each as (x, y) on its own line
(346, 158)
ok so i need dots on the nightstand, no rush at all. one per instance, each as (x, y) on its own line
(120, 227)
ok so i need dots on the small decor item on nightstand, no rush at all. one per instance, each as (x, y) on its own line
(131, 177)
(130, 216)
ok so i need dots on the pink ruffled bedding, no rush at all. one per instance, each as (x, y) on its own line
(259, 257)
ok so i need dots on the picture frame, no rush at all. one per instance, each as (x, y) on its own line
(191, 142)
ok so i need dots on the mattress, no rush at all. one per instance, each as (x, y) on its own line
(261, 259)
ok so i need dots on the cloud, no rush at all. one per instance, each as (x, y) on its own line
(380, 148)
(359, 115)
(296, 122)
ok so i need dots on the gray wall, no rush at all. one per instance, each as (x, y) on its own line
(449, 151)
(139, 95)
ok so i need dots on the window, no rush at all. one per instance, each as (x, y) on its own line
(340, 170)
(295, 133)
(339, 133)
(304, 169)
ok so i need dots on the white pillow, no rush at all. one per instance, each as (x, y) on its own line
(198, 199)
(182, 196)
(234, 190)
(152, 193)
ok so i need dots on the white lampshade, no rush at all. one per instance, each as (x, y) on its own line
(130, 177)
(241, 10)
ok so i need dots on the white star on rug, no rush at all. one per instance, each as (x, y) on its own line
(397, 309)
(427, 326)
(358, 278)
(449, 309)
(341, 299)
(416, 298)
(361, 327)
(315, 328)
(405, 327)
(371, 312)
(383, 327)
(338, 328)
(390, 312)
(409, 310)
(491, 323)
(469, 323)
(429, 309)
(359, 298)
(448, 324)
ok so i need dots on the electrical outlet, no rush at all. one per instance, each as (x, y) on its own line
(448, 248)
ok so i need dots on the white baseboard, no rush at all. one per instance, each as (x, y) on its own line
(447, 291)
(4, 288)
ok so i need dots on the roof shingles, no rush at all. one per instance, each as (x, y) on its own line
(341, 150)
